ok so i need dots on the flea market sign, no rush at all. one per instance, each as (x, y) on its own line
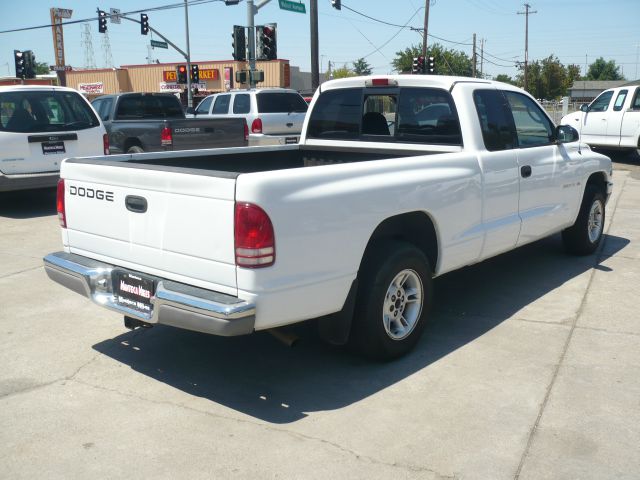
(91, 88)
(169, 76)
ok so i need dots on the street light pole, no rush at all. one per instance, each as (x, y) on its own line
(186, 22)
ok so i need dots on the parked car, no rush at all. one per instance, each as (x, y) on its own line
(153, 122)
(348, 227)
(39, 127)
(612, 120)
(274, 115)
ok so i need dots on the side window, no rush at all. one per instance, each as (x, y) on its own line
(203, 106)
(498, 131)
(337, 115)
(533, 128)
(601, 103)
(428, 115)
(241, 103)
(622, 96)
(635, 105)
(221, 105)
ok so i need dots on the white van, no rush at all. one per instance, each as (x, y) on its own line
(39, 127)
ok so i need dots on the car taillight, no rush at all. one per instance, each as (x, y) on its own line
(105, 143)
(62, 217)
(246, 131)
(166, 137)
(256, 126)
(254, 237)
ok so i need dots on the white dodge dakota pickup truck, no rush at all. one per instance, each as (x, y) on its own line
(396, 179)
(612, 120)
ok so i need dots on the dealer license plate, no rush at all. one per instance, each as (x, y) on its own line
(290, 140)
(53, 148)
(134, 291)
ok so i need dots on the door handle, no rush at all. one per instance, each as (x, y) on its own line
(525, 171)
(136, 204)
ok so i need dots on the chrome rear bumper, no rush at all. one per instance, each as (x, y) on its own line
(174, 304)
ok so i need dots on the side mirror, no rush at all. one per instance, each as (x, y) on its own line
(190, 111)
(566, 134)
(584, 107)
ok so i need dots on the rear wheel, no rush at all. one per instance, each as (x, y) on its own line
(585, 235)
(135, 149)
(394, 297)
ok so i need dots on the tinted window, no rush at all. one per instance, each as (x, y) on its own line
(241, 103)
(221, 105)
(149, 106)
(337, 115)
(601, 103)
(496, 122)
(46, 111)
(203, 106)
(427, 115)
(533, 128)
(635, 105)
(280, 102)
(622, 96)
(103, 107)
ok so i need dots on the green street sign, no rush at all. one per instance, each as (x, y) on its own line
(157, 44)
(292, 6)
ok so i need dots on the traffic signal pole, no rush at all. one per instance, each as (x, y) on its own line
(252, 11)
(186, 23)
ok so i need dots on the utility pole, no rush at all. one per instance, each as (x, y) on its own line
(313, 19)
(482, 58)
(186, 22)
(526, 13)
(474, 57)
(426, 27)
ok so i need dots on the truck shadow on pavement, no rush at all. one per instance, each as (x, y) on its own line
(258, 376)
(28, 203)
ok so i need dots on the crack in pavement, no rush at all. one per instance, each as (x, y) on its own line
(565, 348)
(21, 271)
(297, 435)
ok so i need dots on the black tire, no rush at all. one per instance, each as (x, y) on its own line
(577, 239)
(375, 308)
(135, 149)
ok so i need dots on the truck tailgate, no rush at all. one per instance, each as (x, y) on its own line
(207, 133)
(165, 222)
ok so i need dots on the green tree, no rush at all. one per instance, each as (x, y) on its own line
(42, 68)
(342, 72)
(448, 61)
(603, 70)
(554, 77)
(573, 75)
(361, 67)
(504, 78)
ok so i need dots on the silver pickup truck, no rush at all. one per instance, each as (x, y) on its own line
(155, 122)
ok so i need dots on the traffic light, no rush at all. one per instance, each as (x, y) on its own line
(18, 58)
(144, 23)
(267, 42)
(431, 66)
(29, 64)
(239, 44)
(195, 73)
(337, 4)
(414, 66)
(181, 73)
(102, 21)
(421, 65)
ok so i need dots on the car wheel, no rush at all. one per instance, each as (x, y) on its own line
(584, 236)
(395, 294)
(135, 149)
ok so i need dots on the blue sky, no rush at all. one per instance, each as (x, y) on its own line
(576, 31)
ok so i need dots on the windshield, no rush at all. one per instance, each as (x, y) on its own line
(45, 111)
(281, 102)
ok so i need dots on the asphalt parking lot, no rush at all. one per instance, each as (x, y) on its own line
(530, 369)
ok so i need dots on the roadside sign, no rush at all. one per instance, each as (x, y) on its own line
(292, 6)
(63, 12)
(114, 15)
(157, 44)
(60, 68)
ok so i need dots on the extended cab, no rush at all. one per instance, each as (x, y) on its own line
(396, 179)
(612, 120)
(154, 122)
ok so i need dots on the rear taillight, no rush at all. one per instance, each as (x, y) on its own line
(256, 126)
(62, 216)
(166, 137)
(254, 237)
(105, 143)
(246, 131)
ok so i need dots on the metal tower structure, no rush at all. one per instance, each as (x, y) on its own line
(106, 50)
(87, 45)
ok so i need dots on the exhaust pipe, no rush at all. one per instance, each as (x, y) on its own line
(288, 338)
(133, 323)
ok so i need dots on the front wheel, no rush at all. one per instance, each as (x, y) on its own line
(394, 297)
(584, 236)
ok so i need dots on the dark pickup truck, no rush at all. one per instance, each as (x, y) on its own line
(155, 122)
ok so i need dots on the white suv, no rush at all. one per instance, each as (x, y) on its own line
(39, 127)
(274, 115)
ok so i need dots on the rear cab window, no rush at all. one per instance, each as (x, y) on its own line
(407, 115)
(148, 106)
(45, 111)
(280, 102)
